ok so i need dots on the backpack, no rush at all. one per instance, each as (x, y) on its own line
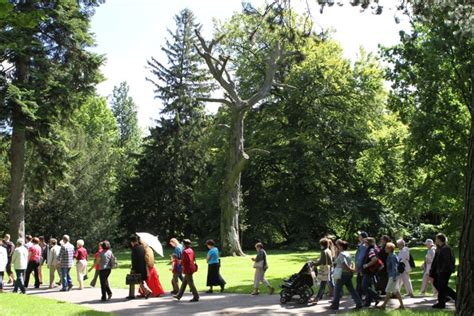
(412, 262)
(401, 267)
(113, 262)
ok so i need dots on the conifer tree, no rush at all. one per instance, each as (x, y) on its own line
(125, 112)
(50, 73)
(173, 161)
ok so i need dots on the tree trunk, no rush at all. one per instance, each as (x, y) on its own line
(17, 188)
(231, 191)
(17, 160)
(465, 288)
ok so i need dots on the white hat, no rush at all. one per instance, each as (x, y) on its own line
(429, 242)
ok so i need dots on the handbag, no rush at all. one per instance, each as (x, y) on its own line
(258, 264)
(133, 278)
(337, 273)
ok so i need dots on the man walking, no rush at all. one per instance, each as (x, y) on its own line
(138, 267)
(188, 263)
(8, 244)
(66, 260)
(444, 264)
(359, 262)
(177, 271)
(20, 262)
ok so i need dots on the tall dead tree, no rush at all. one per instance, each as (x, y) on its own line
(237, 157)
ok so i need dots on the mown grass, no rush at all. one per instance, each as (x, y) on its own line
(238, 271)
(19, 304)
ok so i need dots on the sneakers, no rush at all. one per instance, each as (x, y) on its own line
(69, 287)
(255, 292)
(194, 300)
(271, 290)
(439, 306)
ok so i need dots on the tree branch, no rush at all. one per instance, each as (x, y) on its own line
(206, 52)
(215, 100)
(269, 76)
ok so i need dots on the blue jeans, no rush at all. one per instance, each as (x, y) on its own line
(322, 288)
(346, 279)
(368, 289)
(65, 278)
(20, 281)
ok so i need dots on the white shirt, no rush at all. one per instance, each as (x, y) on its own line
(20, 258)
(3, 258)
(53, 256)
(429, 258)
(404, 256)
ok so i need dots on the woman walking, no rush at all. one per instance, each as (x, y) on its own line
(393, 284)
(106, 262)
(261, 266)
(34, 258)
(96, 265)
(3, 263)
(213, 267)
(343, 273)
(325, 264)
(81, 262)
(153, 281)
(404, 256)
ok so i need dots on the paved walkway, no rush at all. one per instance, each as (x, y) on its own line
(209, 304)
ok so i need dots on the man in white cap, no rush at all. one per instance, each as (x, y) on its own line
(426, 266)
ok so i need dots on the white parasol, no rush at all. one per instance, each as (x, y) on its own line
(152, 241)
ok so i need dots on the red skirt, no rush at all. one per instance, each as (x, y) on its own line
(153, 283)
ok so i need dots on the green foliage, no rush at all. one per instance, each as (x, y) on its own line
(82, 203)
(315, 129)
(173, 163)
(432, 89)
(129, 140)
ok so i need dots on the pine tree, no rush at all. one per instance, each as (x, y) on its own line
(125, 112)
(173, 160)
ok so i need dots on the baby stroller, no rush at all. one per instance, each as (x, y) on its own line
(300, 284)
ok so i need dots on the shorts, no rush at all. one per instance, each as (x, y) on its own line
(393, 285)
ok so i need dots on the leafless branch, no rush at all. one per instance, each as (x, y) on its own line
(215, 100)
(269, 76)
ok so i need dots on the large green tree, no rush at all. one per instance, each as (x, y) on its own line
(81, 203)
(432, 75)
(314, 129)
(173, 161)
(125, 112)
(50, 70)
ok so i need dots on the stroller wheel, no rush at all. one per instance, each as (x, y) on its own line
(283, 300)
(283, 293)
(303, 300)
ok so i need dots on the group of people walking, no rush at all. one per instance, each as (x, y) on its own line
(380, 272)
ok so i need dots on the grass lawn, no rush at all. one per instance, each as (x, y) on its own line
(16, 304)
(238, 271)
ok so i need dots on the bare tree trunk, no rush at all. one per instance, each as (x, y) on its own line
(465, 288)
(17, 160)
(231, 195)
(230, 201)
